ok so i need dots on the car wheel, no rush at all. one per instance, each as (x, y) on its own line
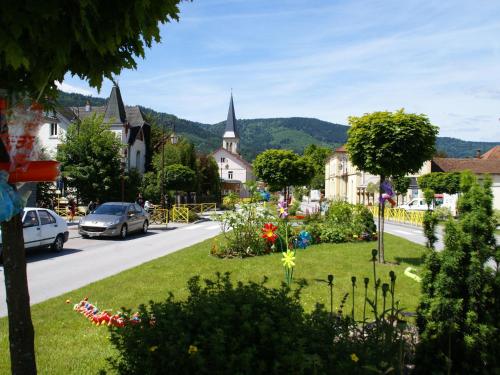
(85, 236)
(123, 232)
(145, 227)
(58, 244)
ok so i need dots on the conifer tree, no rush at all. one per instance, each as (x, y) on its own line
(458, 312)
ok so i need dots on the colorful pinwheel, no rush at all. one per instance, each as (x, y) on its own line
(282, 210)
(268, 232)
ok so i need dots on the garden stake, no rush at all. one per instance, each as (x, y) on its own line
(385, 289)
(330, 284)
(353, 280)
(392, 275)
(367, 280)
(374, 260)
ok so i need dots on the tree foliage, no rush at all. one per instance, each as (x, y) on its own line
(459, 311)
(179, 177)
(391, 144)
(440, 182)
(318, 156)
(90, 158)
(401, 184)
(43, 41)
(283, 168)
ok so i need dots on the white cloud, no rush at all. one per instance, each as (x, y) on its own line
(66, 87)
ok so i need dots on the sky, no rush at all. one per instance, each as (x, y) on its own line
(328, 59)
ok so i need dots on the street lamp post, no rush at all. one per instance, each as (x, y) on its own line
(162, 192)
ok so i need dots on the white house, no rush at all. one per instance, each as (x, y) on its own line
(234, 171)
(127, 123)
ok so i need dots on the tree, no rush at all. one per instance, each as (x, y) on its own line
(318, 156)
(401, 184)
(208, 176)
(390, 144)
(459, 309)
(440, 182)
(179, 177)
(283, 168)
(40, 43)
(90, 160)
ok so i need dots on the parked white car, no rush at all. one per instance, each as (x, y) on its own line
(42, 227)
(417, 204)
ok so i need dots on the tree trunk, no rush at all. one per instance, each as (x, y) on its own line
(21, 333)
(381, 257)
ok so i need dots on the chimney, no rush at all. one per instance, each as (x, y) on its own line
(478, 153)
(87, 106)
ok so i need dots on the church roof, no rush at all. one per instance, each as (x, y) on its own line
(115, 110)
(231, 127)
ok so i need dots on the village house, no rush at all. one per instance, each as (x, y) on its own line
(126, 122)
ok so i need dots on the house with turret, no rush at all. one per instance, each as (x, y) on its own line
(234, 171)
(127, 122)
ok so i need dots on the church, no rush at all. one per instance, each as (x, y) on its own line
(234, 171)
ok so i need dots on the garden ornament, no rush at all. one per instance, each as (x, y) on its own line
(303, 239)
(282, 210)
(388, 193)
(409, 272)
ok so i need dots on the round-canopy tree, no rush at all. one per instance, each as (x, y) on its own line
(40, 43)
(390, 144)
(283, 168)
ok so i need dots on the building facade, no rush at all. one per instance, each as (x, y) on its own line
(234, 171)
(343, 181)
(126, 122)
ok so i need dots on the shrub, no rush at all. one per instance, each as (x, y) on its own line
(252, 329)
(496, 216)
(242, 231)
(230, 200)
(292, 210)
(442, 213)
(346, 222)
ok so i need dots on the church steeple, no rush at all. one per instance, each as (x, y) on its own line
(231, 137)
(115, 110)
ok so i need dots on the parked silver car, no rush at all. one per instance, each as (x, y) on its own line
(114, 219)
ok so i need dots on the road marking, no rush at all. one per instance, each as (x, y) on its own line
(403, 231)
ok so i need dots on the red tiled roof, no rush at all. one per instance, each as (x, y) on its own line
(341, 149)
(493, 154)
(477, 166)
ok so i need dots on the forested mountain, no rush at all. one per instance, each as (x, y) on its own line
(257, 135)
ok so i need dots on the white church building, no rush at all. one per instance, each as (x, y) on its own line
(234, 171)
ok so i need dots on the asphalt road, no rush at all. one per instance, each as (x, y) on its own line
(412, 233)
(87, 260)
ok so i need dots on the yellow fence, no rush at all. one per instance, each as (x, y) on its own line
(180, 214)
(400, 215)
(199, 208)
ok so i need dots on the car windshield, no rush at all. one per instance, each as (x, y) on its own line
(110, 209)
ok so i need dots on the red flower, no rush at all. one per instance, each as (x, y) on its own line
(268, 232)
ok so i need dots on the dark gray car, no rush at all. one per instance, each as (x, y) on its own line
(114, 219)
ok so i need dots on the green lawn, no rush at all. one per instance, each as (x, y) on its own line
(67, 343)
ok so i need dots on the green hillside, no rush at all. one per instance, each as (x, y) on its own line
(257, 135)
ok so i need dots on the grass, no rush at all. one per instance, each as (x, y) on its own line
(67, 343)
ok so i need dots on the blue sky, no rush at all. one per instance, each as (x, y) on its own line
(327, 59)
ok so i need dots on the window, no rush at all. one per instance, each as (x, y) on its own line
(222, 160)
(30, 220)
(45, 217)
(53, 129)
(230, 175)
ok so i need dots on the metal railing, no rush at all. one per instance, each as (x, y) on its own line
(200, 208)
(400, 215)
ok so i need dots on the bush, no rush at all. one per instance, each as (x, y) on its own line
(242, 231)
(496, 216)
(292, 210)
(230, 200)
(442, 213)
(252, 329)
(345, 222)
